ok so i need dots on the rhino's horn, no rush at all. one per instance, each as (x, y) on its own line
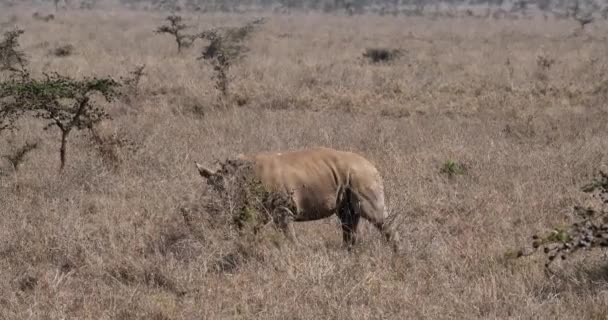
(205, 173)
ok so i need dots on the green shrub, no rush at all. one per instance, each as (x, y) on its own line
(452, 168)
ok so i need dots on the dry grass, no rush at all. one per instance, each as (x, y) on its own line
(134, 241)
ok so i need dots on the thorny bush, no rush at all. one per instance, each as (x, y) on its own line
(589, 232)
(248, 203)
(225, 48)
(18, 153)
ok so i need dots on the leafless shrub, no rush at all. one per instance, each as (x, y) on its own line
(28, 283)
(381, 55)
(583, 17)
(17, 155)
(544, 62)
(63, 51)
(584, 20)
(225, 48)
(130, 87)
(11, 58)
(109, 146)
(43, 17)
(543, 65)
(589, 232)
(136, 75)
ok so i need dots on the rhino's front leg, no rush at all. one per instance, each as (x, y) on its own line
(285, 222)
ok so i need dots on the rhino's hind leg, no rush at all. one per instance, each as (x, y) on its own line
(349, 218)
(350, 222)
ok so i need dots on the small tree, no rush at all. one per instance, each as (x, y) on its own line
(176, 28)
(11, 58)
(63, 102)
(225, 48)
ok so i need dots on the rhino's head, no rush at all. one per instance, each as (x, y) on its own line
(217, 179)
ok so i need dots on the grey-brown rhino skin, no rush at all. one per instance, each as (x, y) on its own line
(322, 182)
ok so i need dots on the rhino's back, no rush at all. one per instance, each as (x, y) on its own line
(315, 175)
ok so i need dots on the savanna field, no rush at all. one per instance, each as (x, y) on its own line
(483, 129)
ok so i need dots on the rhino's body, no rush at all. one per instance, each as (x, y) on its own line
(323, 182)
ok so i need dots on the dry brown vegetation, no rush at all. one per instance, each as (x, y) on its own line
(134, 238)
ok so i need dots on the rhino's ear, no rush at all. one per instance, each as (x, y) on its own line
(205, 173)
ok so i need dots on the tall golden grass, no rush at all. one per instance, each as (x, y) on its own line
(102, 243)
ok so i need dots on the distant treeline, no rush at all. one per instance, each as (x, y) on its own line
(561, 8)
